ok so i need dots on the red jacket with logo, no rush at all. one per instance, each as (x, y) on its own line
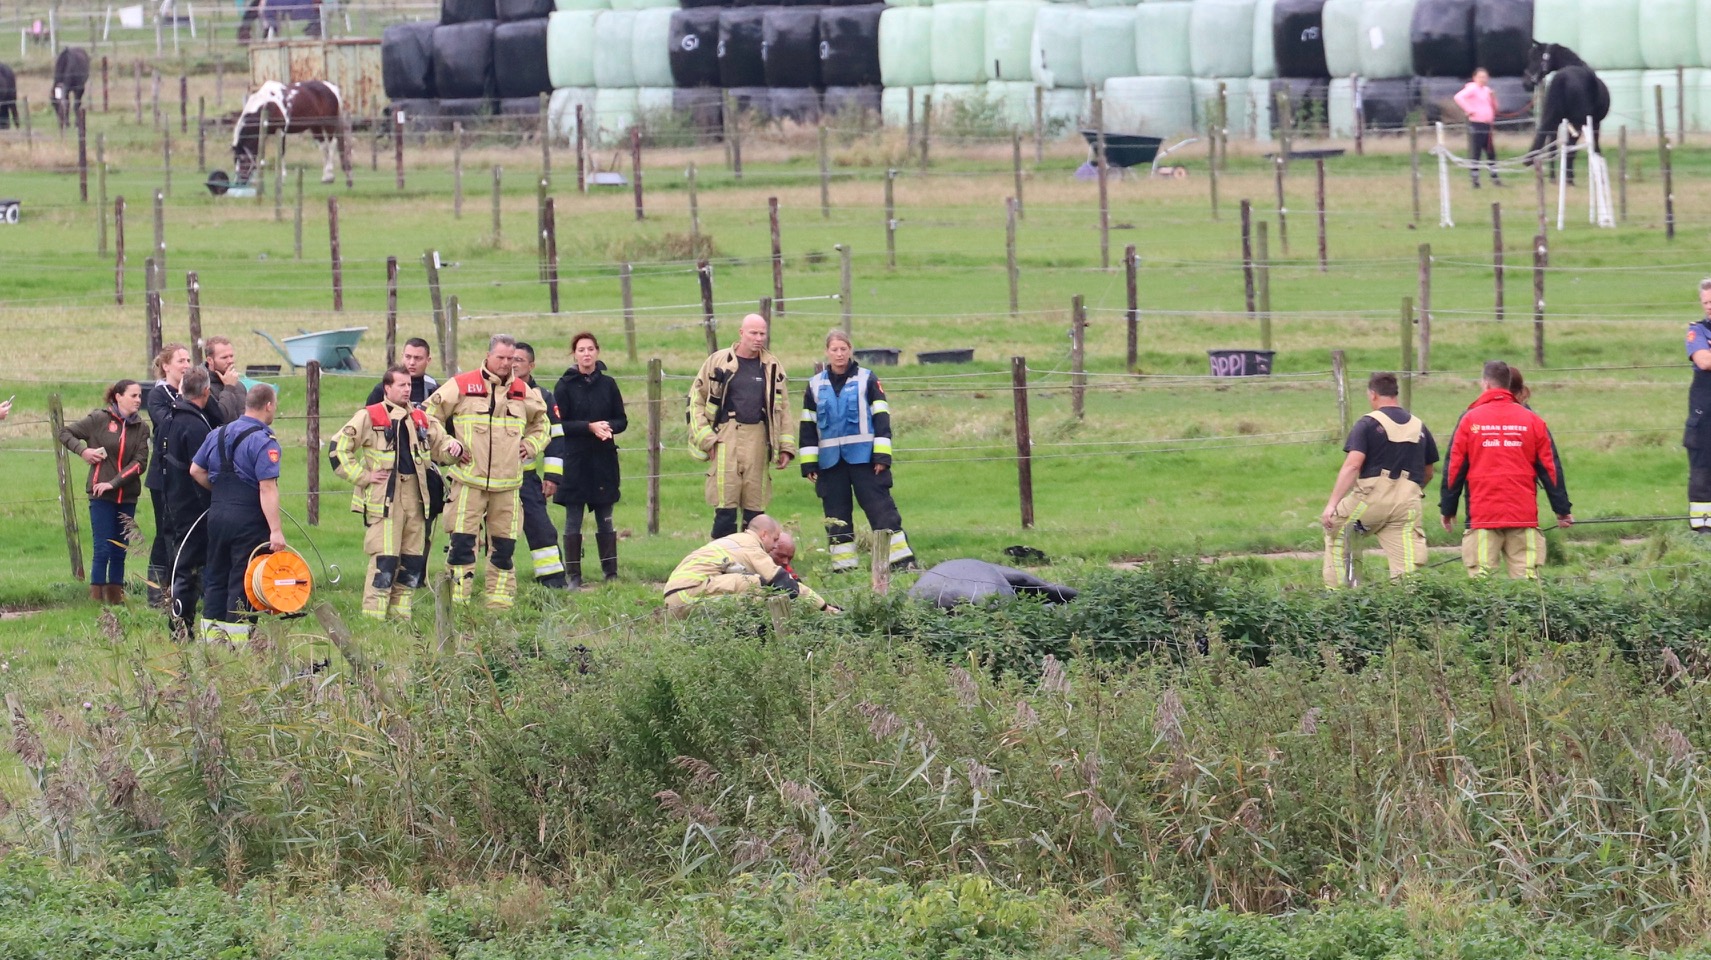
(1500, 454)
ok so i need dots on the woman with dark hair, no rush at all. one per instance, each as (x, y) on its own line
(170, 366)
(114, 441)
(591, 411)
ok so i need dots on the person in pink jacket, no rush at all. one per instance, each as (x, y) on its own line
(1479, 102)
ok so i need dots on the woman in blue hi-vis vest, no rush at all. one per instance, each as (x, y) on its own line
(845, 448)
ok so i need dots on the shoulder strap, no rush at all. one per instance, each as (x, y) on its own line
(377, 416)
(229, 444)
(518, 390)
(420, 418)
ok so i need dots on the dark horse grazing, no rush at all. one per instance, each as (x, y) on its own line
(70, 76)
(1575, 94)
(8, 97)
(308, 106)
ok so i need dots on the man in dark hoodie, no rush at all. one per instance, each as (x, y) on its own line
(186, 500)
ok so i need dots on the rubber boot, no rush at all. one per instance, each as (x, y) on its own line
(573, 561)
(116, 594)
(724, 522)
(607, 544)
(157, 587)
(98, 593)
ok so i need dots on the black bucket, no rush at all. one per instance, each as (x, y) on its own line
(878, 356)
(945, 356)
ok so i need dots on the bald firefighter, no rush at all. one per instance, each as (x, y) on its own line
(1380, 487)
(495, 425)
(739, 421)
(744, 562)
(385, 452)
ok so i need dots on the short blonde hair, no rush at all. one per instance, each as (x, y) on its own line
(837, 333)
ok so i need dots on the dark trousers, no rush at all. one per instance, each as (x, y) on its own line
(184, 566)
(538, 528)
(1480, 145)
(165, 537)
(872, 490)
(573, 513)
(107, 525)
(233, 534)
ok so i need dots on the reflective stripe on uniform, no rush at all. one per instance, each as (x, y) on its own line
(1699, 516)
(547, 561)
(882, 445)
(843, 556)
(900, 547)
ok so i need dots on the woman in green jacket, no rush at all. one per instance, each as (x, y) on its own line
(114, 441)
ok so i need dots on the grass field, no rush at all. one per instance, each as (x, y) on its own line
(1166, 460)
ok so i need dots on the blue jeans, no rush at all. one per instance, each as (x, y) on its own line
(107, 521)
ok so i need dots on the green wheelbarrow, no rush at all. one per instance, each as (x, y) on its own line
(335, 349)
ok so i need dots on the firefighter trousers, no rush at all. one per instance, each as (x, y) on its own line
(1521, 549)
(738, 470)
(843, 485)
(1390, 508)
(678, 602)
(469, 511)
(395, 543)
(539, 532)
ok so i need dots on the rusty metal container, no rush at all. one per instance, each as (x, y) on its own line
(351, 65)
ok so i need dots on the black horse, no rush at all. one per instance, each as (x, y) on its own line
(1575, 94)
(70, 76)
(8, 97)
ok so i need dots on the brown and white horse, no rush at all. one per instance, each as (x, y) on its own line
(308, 106)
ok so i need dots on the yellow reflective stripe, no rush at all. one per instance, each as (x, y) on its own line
(557, 430)
(881, 406)
(882, 445)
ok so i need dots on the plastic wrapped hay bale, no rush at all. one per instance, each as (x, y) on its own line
(694, 52)
(570, 48)
(1014, 100)
(894, 104)
(851, 101)
(849, 47)
(561, 111)
(1010, 37)
(1054, 54)
(463, 60)
(650, 48)
(614, 114)
(1264, 49)
(1221, 38)
(1557, 21)
(906, 46)
(1298, 38)
(1340, 107)
(1442, 38)
(613, 30)
(1669, 34)
(466, 11)
(1385, 51)
(958, 43)
(1161, 39)
(1502, 35)
(1343, 38)
(520, 59)
(1610, 34)
(742, 32)
(583, 4)
(792, 42)
(1107, 44)
(1247, 99)
(407, 61)
(1150, 106)
(522, 10)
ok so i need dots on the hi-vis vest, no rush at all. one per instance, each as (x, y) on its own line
(1410, 431)
(843, 418)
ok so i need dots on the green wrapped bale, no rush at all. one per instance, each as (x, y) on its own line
(906, 47)
(1610, 34)
(1669, 34)
(1161, 39)
(1054, 56)
(613, 30)
(561, 111)
(1150, 106)
(1342, 33)
(570, 48)
(1340, 107)
(1248, 100)
(1107, 44)
(582, 4)
(1265, 46)
(1010, 37)
(614, 114)
(1221, 38)
(1630, 101)
(894, 102)
(1386, 50)
(959, 43)
(1557, 21)
(1014, 100)
(650, 48)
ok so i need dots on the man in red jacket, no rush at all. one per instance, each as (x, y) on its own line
(1500, 454)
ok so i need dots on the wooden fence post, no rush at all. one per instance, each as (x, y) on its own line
(201, 134)
(581, 155)
(1319, 196)
(152, 325)
(704, 272)
(628, 295)
(160, 230)
(694, 209)
(1497, 260)
(1262, 283)
(338, 262)
(1340, 374)
(1425, 308)
(1248, 256)
(1132, 313)
(890, 221)
(1010, 252)
(101, 194)
(312, 439)
(457, 170)
(1665, 151)
(1078, 356)
(926, 128)
(183, 104)
(845, 278)
(1541, 260)
(398, 149)
(451, 332)
(193, 298)
(1016, 167)
(880, 547)
(105, 75)
(82, 156)
(636, 168)
(777, 255)
(1622, 173)
(1024, 440)
(137, 78)
(297, 217)
(1212, 163)
(391, 311)
(656, 400)
(544, 126)
(825, 176)
(119, 250)
(431, 261)
(1407, 372)
(498, 221)
(67, 501)
(1103, 170)
(1414, 168)
(1278, 169)
(550, 215)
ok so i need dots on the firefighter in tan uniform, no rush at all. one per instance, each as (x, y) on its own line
(739, 420)
(385, 451)
(746, 562)
(1380, 486)
(496, 425)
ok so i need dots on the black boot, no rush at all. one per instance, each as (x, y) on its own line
(724, 522)
(157, 587)
(573, 561)
(607, 544)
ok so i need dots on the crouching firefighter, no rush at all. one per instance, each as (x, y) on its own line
(747, 562)
(495, 425)
(386, 451)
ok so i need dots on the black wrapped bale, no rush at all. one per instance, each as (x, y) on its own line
(467, 11)
(742, 31)
(1436, 97)
(752, 100)
(791, 46)
(463, 60)
(689, 4)
(695, 47)
(852, 100)
(1387, 103)
(1297, 39)
(520, 59)
(1502, 34)
(463, 108)
(520, 106)
(703, 108)
(1442, 38)
(420, 115)
(801, 104)
(407, 60)
(849, 46)
(511, 10)
(1309, 101)
(1514, 103)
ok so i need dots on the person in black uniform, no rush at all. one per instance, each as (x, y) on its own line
(538, 527)
(239, 462)
(415, 360)
(170, 366)
(186, 500)
(1697, 437)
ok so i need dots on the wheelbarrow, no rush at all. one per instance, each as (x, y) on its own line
(335, 349)
(1126, 150)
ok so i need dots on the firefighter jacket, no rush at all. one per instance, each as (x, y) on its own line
(709, 405)
(844, 420)
(741, 554)
(126, 440)
(1501, 453)
(492, 417)
(370, 442)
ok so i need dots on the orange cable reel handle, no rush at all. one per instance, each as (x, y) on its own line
(277, 582)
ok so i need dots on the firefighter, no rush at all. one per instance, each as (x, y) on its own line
(239, 462)
(538, 529)
(739, 421)
(495, 425)
(845, 442)
(415, 360)
(1380, 486)
(1500, 454)
(186, 500)
(385, 451)
(1697, 436)
(737, 564)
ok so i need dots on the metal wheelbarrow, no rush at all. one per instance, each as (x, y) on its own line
(335, 349)
(1126, 150)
